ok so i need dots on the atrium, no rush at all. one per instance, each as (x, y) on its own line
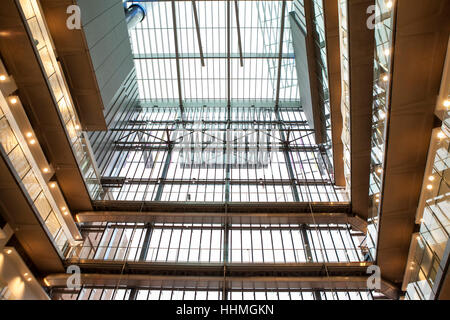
(224, 150)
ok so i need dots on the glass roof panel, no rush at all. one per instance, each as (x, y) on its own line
(153, 44)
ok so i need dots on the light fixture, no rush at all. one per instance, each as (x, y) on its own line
(32, 141)
(77, 127)
(52, 185)
(379, 170)
(46, 282)
(63, 208)
(13, 100)
(25, 274)
(29, 135)
(389, 4)
(2, 77)
(8, 251)
(431, 178)
(441, 135)
(387, 52)
(29, 279)
(446, 103)
(45, 170)
(377, 200)
(418, 238)
(385, 78)
(422, 220)
(65, 213)
(429, 187)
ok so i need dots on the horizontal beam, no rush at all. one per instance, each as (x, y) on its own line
(216, 283)
(222, 218)
(216, 212)
(220, 269)
(270, 182)
(235, 207)
(157, 56)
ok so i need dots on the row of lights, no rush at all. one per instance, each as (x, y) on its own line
(32, 141)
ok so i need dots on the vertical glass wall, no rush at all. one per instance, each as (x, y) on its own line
(259, 154)
(174, 292)
(384, 24)
(206, 243)
(428, 259)
(43, 45)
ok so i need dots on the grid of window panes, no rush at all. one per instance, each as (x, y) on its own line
(428, 259)
(57, 84)
(153, 44)
(384, 23)
(41, 199)
(214, 154)
(245, 243)
(193, 293)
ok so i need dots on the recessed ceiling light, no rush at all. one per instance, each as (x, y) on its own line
(429, 187)
(441, 135)
(431, 178)
(32, 141)
(446, 103)
(45, 170)
(2, 78)
(13, 100)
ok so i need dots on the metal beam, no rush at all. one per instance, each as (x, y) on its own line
(100, 280)
(156, 56)
(221, 217)
(280, 53)
(238, 25)
(195, 269)
(177, 54)
(197, 27)
(228, 60)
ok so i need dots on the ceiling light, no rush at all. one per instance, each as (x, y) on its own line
(385, 78)
(387, 52)
(389, 4)
(45, 170)
(379, 170)
(77, 127)
(429, 187)
(52, 185)
(32, 141)
(8, 251)
(431, 178)
(25, 274)
(13, 100)
(422, 220)
(63, 208)
(446, 103)
(29, 135)
(441, 135)
(418, 238)
(2, 78)
(29, 279)
(377, 200)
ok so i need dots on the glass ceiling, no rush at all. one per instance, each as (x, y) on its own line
(153, 44)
